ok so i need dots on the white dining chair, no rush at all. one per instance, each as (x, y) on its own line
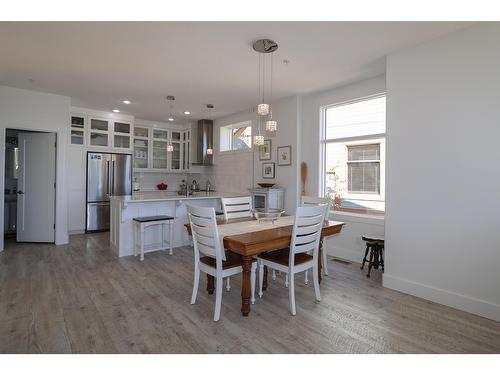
(316, 201)
(209, 255)
(237, 207)
(306, 235)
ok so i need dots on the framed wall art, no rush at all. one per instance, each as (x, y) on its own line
(284, 155)
(268, 170)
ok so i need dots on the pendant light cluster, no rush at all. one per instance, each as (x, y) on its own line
(265, 48)
(210, 107)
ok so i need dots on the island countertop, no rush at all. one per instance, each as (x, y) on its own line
(159, 196)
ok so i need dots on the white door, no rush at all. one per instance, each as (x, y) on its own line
(36, 187)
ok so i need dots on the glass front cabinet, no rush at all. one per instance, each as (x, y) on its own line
(100, 132)
(151, 149)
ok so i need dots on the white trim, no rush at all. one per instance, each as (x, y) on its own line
(445, 297)
(357, 218)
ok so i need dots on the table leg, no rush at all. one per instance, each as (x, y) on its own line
(264, 282)
(320, 256)
(245, 288)
(210, 284)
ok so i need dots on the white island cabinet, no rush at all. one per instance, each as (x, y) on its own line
(125, 208)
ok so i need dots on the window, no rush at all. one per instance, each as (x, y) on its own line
(236, 136)
(363, 169)
(353, 155)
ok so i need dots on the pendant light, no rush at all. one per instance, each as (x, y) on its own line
(170, 146)
(271, 125)
(210, 107)
(264, 47)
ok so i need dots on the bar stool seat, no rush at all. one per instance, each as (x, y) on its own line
(140, 226)
(375, 252)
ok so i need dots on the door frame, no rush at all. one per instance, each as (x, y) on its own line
(60, 191)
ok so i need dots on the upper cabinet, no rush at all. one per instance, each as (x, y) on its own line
(101, 132)
(151, 149)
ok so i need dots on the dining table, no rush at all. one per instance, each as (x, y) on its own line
(248, 237)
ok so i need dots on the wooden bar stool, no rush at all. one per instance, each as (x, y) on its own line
(140, 226)
(375, 252)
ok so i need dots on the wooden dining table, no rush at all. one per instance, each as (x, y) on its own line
(252, 243)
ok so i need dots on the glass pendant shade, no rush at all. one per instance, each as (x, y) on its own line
(258, 140)
(263, 109)
(210, 151)
(271, 125)
(170, 148)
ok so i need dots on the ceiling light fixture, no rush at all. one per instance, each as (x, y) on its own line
(210, 107)
(187, 112)
(170, 119)
(126, 101)
(264, 47)
(170, 98)
(116, 110)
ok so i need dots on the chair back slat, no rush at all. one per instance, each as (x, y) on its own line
(205, 233)
(238, 207)
(316, 201)
(307, 231)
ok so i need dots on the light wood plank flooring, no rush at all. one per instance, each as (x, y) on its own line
(80, 298)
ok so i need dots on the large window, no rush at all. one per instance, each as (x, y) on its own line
(353, 155)
(236, 136)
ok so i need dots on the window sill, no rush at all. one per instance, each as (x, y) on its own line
(357, 217)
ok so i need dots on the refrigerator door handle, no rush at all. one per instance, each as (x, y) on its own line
(112, 172)
(109, 177)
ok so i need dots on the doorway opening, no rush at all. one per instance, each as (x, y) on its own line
(30, 188)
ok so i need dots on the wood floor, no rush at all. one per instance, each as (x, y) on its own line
(80, 298)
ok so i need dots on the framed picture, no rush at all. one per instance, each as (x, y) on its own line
(265, 150)
(267, 170)
(285, 155)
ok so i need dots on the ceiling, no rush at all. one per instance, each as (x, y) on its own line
(98, 64)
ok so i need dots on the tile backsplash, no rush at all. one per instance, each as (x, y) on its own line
(148, 181)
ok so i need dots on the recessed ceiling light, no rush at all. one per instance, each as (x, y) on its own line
(116, 110)
(187, 112)
(170, 119)
(126, 101)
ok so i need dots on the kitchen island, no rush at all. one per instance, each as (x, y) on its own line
(125, 208)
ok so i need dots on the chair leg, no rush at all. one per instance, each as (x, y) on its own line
(135, 240)
(274, 275)
(261, 277)
(252, 283)
(291, 294)
(325, 262)
(196, 284)
(228, 284)
(364, 258)
(370, 262)
(286, 281)
(306, 280)
(218, 298)
(316, 283)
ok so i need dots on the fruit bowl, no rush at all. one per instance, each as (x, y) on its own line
(271, 214)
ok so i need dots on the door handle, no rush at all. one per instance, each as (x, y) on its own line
(109, 177)
(112, 177)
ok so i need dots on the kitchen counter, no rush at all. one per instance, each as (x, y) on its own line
(123, 209)
(158, 196)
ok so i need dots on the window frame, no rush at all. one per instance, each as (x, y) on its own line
(236, 125)
(378, 138)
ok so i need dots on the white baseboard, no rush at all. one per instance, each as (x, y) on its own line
(345, 253)
(445, 297)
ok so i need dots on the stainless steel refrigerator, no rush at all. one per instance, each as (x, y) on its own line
(107, 175)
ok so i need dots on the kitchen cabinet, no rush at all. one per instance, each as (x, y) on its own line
(78, 128)
(151, 153)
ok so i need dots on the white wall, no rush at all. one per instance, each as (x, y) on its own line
(348, 244)
(443, 178)
(236, 171)
(30, 110)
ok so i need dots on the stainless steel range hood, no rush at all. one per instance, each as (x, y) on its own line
(204, 141)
